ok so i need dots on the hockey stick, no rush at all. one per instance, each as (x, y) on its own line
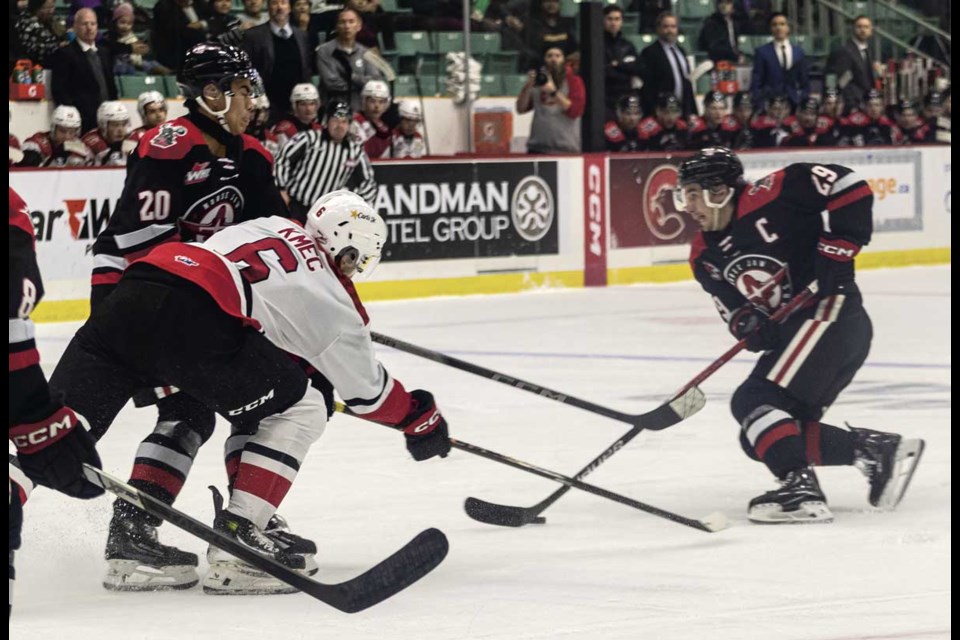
(510, 516)
(711, 523)
(414, 560)
(680, 407)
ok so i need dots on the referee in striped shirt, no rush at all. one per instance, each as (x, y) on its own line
(316, 162)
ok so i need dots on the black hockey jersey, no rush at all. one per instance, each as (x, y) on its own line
(176, 189)
(778, 221)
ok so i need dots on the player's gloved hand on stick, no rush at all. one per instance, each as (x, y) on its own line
(52, 452)
(753, 323)
(425, 429)
(833, 265)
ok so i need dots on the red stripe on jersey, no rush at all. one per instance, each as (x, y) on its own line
(395, 408)
(159, 477)
(251, 143)
(105, 278)
(760, 194)
(233, 466)
(20, 215)
(350, 289)
(850, 197)
(24, 359)
(796, 352)
(825, 310)
(262, 483)
(774, 435)
(204, 269)
(22, 493)
(697, 246)
(811, 434)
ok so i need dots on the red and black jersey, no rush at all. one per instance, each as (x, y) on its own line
(138, 133)
(821, 134)
(767, 132)
(285, 129)
(922, 133)
(655, 137)
(177, 189)
(14, 146)
(105, 154)
(741, 137)
(860, 130)
(778, 221)
(620, 139)
(701, 135)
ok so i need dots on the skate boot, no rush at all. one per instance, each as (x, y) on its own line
(798, 500)
(136, 561)
(278, 530)
(230, 576)
(888, 461)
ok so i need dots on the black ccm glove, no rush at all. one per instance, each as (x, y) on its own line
(753, 323)
(425, 429)
(833, 265)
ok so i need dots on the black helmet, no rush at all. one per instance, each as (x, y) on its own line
(714, 97)
(711, 167)
(809, 104)
(339, 109)
(872, 94)
(668, 102)
(933, 99)
(628, 103)
(215, 63)
(906, 105)
(742, 99)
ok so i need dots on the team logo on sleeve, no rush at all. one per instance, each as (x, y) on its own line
(190, 262)
(750, 275)
(167, 135)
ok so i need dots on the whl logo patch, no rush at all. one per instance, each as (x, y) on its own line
(199, 173)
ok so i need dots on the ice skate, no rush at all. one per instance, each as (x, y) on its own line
(888, 461)
(138, 562)
(798, 500)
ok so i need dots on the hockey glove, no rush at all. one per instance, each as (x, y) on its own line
(52, 452)
(424, 428)
(753, 323)
(833, 265)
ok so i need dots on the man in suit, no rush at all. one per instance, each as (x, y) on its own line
(83, 72)
(780, 68)
(853, 63)
(281, 54)
(665, 69)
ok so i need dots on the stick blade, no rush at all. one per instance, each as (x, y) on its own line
(499, 514)
(715, 521)
(676, 410)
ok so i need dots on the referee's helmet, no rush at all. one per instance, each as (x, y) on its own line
(346, 226)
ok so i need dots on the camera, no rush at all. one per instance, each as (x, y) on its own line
(541, 78)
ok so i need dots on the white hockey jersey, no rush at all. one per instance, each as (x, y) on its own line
(269, 273)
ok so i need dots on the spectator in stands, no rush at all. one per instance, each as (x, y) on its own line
(768, 128)
(719, 33)
(713, 129)
(754, 15)
(372, 21)
(740, 120)
(547, 27)
(509, 17)
(121, 33)
(107, 140)
(853, 63)
(557, 97)
(37, 32)
(649, 11)
(281, 54)
(221, 20)
(780, 68)
(59, 147)
(178, 25)
(252, 15)
(407, 142)
(368, 127)
(83, 72)
(666, 130)
(341, 64)
(870, 127)
(666, 69)
(304, 115)
(620, 59)
(913, 128)
(152, 107)
(623, 134)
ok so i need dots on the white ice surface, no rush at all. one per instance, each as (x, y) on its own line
(597, 569)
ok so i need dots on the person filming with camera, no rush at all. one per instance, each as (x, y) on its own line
(557, 98)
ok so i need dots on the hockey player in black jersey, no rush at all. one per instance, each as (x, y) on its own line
(749, 232)
(188, 178)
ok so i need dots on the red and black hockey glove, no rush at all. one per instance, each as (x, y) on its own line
(425, 429)
(52, 452)
(833, 265)
(753, 323)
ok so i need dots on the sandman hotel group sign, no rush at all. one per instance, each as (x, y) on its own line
(468, 209)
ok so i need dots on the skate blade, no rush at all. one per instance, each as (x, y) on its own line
(806, 513)
(130, 575)
(907, 459)
(234, 579)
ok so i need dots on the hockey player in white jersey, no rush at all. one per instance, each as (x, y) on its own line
(235, 308)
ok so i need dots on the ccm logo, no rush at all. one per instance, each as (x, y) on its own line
(429, 424)
(252, 405)
(45, 433)
(834, 250)
(594, 184)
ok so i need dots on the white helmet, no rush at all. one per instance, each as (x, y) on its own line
(410, 110)
(341, 221)
(111, 111)
(261, 102)
(375, 89)
(66, 117)
(303, 92)
(148, 97)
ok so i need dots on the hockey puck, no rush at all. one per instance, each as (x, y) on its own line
(539, 520)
